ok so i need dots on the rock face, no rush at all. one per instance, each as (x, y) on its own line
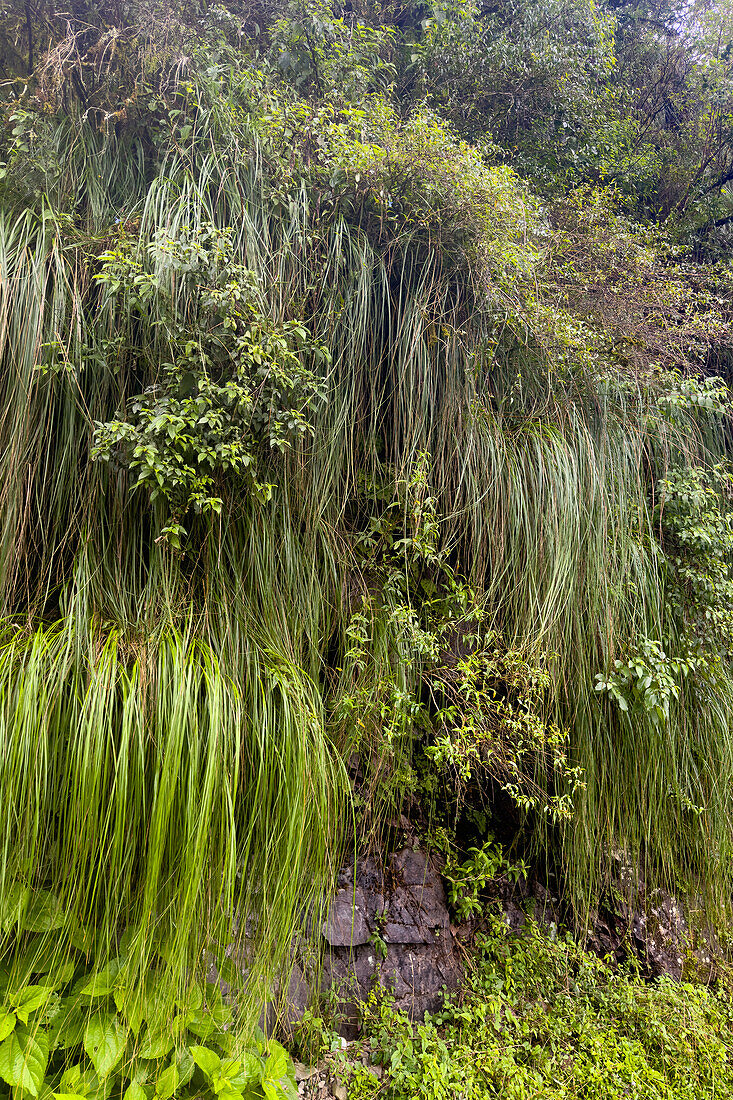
(663, 935)
(390, 925)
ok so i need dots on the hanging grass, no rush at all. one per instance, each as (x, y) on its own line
(152, 801)
(170, 737)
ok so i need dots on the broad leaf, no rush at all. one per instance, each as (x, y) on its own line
(72, 1081)
(67, 1029)
(230, 1067)
(185, 1065)
(276, 1081)
(12, 905)
(167, 1082)
(60, 974)
(251, 1071)
(44, 913)
(7, 1023)
(101, 983)
(104, 1041)
(135, 1091)
(228, 972)
(41, 955)
(84, 1082)
(205, 1022)
(229, 1092)
(159, 1042)
(152, 1004)
(30, 999)
(201, 1024)
(193, 999)
(277, 1064)
(23, 1058)
(207, 1060)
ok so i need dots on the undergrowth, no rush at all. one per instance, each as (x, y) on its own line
(69, 1030)
(540, 1019)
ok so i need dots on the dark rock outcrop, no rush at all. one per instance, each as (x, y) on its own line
(391, 925)
(388, 924)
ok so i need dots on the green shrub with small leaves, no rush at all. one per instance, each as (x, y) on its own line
(448, 699)
(540, 1019)
(234, 387)
(647, 680)
(697, 526)
(467, 879)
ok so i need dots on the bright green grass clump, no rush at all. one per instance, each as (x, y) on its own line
(539, 1019)
(149, 801)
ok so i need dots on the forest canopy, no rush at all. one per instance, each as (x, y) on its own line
(633, 95)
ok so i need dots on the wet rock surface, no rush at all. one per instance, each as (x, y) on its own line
(391, 925)
(388, 924)
(660, 933)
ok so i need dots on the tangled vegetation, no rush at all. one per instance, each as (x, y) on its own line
(539, 1018)
(365, 451)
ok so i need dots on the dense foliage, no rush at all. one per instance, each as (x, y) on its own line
(541, 1019)
(69, 1031)
(365, 452)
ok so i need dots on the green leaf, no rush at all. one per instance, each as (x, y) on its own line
(12, 905)
(152, 1004)
(67, 1029)
(30, 999)
(277, 1069)
(72, 1081)
(206, 1022)
(104, 1041)
(201, 1024)
(85, 1083)
(207, 1060)
(167, 1082)
(277, 1064)
(44, 956)
(78, 936)
(185, 1066)
(251, 1071)
(7, 1023)
(23, 1058)
(192, 999)
(159, 1041)
(230, 1067)
(100, 984)
(228, 1092)
(62, 974)
(228, 972)
(135, 1091)
(44, 913)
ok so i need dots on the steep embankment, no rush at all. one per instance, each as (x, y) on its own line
(350, 490)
